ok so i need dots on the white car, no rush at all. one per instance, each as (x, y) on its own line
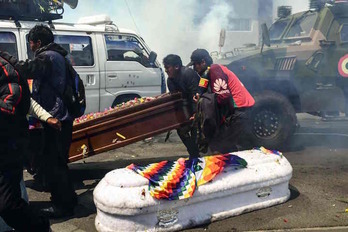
(115, 64)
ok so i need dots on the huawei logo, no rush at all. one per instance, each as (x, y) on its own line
(220, 85)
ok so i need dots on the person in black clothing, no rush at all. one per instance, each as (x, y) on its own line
(48, 72)
(184, 80)
(14, 106)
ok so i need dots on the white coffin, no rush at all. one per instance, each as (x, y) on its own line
(123, 206)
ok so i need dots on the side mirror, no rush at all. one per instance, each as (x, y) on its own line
(152, 58)
(265, 35)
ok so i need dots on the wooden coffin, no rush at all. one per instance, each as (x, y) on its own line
(128, 125)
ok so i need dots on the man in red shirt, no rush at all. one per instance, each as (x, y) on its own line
(233, 99)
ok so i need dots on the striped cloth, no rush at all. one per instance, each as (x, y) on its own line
(175, 180)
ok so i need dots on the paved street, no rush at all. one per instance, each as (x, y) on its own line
(319, 187)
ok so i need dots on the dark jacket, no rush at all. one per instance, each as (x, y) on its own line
(14, 105)
(185, 82)
(48, 72)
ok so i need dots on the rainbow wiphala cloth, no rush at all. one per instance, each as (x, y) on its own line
(174, 180)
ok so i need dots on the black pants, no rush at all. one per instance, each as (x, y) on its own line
(34, 153)
(231, 132)
(54, 165)
(13, 209)
(188, 135)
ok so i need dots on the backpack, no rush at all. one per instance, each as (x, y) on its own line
(74, 96)
(207, 115)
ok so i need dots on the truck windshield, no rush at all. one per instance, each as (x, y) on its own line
(302, 27)
(277, 29)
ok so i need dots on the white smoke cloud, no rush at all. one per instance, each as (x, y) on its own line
(163, 24)
(209, 30)
(171, 26)
(166, 26)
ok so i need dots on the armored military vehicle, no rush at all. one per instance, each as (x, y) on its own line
(303, 69)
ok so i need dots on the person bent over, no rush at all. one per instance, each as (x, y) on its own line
(233, 100)
(184, 80)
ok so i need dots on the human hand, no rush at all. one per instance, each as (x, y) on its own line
(55, 123)
(193, 117)
(196, 98)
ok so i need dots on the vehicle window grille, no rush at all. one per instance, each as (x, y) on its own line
(285, 63)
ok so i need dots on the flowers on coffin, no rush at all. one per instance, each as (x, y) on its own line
(124, 105)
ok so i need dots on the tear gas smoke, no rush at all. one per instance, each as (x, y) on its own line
(180, 27)
(175, 26)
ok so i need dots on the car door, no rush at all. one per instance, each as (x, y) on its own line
(83, 55)
(328, 96)
(128, 71)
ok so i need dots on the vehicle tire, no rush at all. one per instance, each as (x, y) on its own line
(123, 98)
(272, 120)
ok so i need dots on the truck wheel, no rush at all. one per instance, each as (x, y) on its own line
(123, 98)
(273, 120)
